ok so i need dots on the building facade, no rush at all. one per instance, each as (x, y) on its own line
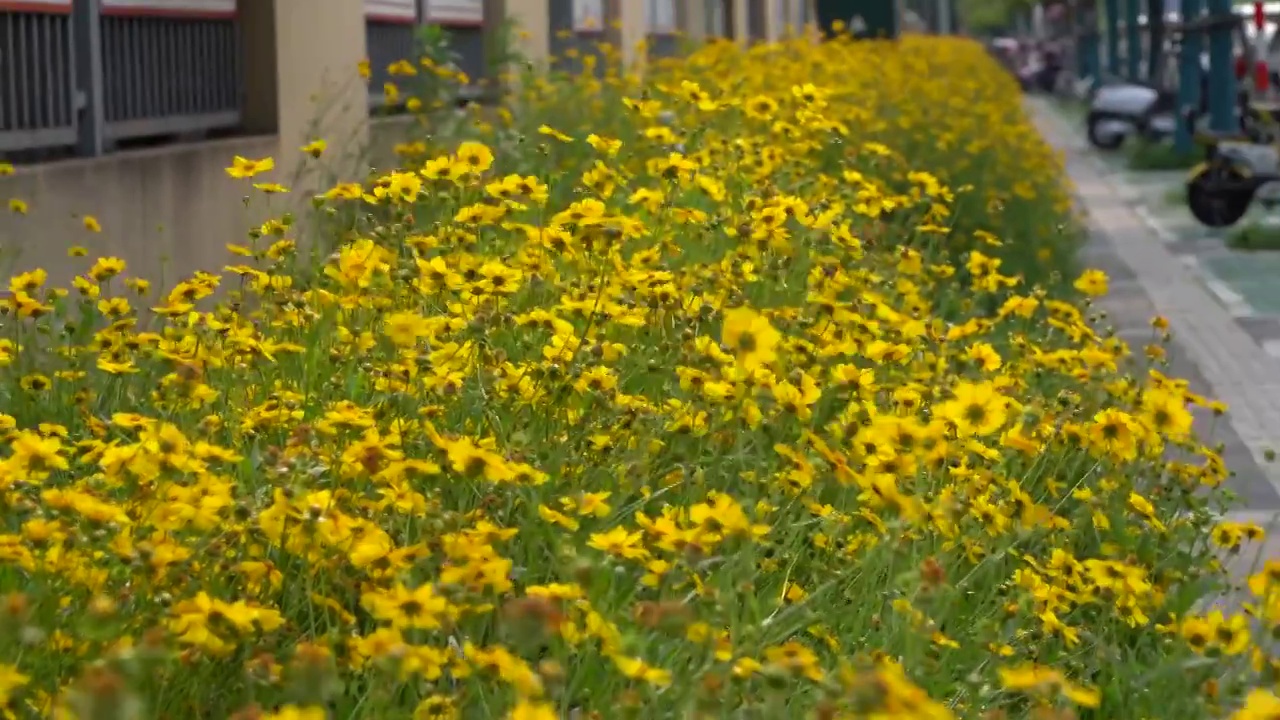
(130, 110)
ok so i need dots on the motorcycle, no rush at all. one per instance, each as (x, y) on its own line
(1120, 109)
(1238, 169)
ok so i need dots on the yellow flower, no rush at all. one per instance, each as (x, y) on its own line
(245, 168)
(976, 409)
(474, 157)
(528, 710)
(1261, 704)
(1167, 413)
(750, 338)
(315, 148)
(1092, 283)
(10, 680)
(296, 712)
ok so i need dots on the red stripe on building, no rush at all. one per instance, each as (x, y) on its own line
(169, 13)
(18, 6)
(390, 18)
(457, 23)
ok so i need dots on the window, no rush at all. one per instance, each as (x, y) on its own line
(717, 25)
(588, 16)
(395, 11)
(662, 17)
(453, 12)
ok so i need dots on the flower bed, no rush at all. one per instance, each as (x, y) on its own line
(757, 389)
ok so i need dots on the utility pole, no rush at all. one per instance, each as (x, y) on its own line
(1222, 75)
(1190, 73)
(1133, 41)
(945, 20)
(1113, 37)
(86, 30)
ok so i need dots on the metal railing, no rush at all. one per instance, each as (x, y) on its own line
(37, 80)
(719, 18)
(387, 43)
(74, 75)
(159, 76)
(169, 76)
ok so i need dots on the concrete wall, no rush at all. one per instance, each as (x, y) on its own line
(533, 35)
(171, 210)
(166, 211)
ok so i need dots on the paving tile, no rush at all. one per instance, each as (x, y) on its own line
(1105, 259)
(1130, 315)
(1249, 481)
(1195, 247)
(1261, 329)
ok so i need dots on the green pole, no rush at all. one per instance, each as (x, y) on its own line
(1113, 37)
(1133, 40)
(1089, 51)
(1222, 76)
(945, 17)
(1189, 75)
(1156, 37)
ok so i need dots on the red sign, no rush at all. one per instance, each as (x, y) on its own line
(213, 9)
(36, 6)
(393, 11)
(455, 12)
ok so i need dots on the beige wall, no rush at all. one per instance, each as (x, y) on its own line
(319, 93)
(774, 21)
(166, 211)
(171, 210)
(633, 27)
(533, 38)
(692, 15)
(740, 16)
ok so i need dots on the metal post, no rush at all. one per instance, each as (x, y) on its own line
(1222, 76)
(944, 17)
(1133, 40)
(1189, 74)
(1113, 37)
(1090, 50)
(86, 46)
(1155, 42)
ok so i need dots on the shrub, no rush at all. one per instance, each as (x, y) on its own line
(744, 390)
(1148, 155)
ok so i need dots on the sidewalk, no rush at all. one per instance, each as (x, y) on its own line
(1157, 263)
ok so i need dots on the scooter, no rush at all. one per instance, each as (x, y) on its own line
(1238, 169)
(1121, 109)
